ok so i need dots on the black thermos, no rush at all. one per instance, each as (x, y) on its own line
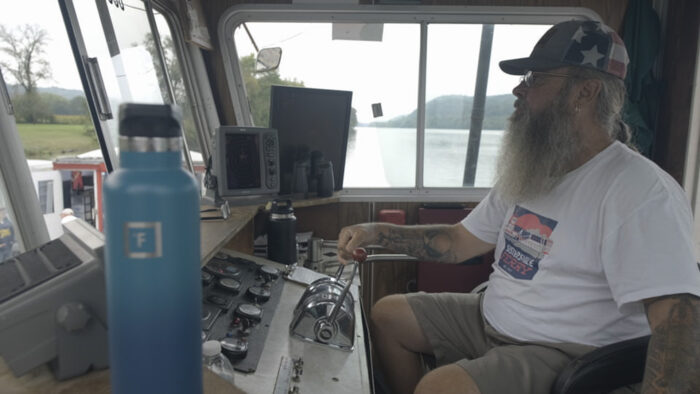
(281, 233)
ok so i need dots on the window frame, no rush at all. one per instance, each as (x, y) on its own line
(16, 182)
(45, 192)
(423, 15)
(201, 99)
(191, 63)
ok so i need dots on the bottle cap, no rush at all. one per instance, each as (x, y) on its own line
(211, 348)
(282, 207)
(149, 120)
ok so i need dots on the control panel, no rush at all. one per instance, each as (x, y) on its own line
(239, 301)
(271, 158)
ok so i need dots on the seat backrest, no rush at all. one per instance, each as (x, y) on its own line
(604, 369)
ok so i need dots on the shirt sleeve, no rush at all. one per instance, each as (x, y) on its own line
(486, 220)
(651, 252)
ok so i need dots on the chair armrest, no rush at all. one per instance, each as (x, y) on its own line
(604, 369)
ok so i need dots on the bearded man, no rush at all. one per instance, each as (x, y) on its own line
(593, 244)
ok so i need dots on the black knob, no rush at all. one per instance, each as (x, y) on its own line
(248, 311)
(234, 348)
(229, 284)
(258, 294)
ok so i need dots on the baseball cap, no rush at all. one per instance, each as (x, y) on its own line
(588, 44)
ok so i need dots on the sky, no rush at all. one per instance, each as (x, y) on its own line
(384, 71)
(58, 52)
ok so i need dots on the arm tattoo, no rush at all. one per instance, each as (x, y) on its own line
(431, 243)
(673, 356)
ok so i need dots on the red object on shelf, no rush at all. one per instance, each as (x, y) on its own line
(394, 216)
(436, 277)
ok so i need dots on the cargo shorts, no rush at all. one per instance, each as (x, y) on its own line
(454, 325)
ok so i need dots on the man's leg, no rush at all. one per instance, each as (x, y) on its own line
(450, 379)
(398, 339)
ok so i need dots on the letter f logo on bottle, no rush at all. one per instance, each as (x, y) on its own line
(143, 240)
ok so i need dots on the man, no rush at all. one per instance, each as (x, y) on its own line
(7, 235)
(593, 244)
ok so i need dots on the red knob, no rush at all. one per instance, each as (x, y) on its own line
(359, 255)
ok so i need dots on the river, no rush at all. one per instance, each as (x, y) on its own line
(386, 157)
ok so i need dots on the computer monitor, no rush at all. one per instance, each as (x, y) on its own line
(246, 161)
(309, 120)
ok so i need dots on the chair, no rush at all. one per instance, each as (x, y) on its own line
(602, 370)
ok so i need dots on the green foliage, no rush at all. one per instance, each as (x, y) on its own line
(62, 106)
(71, 119)
(32, 108)
(258, 89)
(47, 108)
(454, 112)
(177, 83)
(48, 141)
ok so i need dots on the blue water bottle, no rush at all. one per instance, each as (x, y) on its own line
(154, 295)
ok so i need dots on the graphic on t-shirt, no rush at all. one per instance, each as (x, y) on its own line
(528, 240)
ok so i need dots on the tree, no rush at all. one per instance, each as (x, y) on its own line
(26, 46)
(258, 88)
(177, 83)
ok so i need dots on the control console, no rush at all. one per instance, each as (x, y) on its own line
(239, 301)
(271, 155)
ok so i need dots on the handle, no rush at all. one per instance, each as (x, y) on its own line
(390, 257)
(104, 111)
(325, 328)
(359, 256)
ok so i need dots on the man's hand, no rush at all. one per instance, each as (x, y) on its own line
(353, 237)
(436, 242)
(673, 364)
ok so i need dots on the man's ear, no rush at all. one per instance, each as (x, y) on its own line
(587, 92)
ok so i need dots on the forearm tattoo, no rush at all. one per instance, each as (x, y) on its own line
(430, 243)
(673, 358)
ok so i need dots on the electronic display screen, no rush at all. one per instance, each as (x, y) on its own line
(309, 120)
(242, 161)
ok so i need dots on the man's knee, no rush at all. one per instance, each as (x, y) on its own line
(449, 379)
(389, 310)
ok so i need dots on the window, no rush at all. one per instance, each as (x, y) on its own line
(413, 74)
(52, 117)
(125, 53)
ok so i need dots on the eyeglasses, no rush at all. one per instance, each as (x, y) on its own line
(531, 77)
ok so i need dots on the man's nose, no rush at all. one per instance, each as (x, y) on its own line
(519, 90)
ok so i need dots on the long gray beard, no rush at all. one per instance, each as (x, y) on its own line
(537, 151)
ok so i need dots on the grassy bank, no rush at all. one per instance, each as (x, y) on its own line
(48, 141)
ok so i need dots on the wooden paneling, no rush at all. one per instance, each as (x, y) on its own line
(243, 240)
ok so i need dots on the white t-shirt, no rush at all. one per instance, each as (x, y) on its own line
(572, 266)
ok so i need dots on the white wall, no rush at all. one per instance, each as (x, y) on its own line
(42, 170)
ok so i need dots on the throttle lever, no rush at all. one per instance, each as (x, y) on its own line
(325, 329)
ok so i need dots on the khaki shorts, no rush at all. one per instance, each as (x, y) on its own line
(458, 333)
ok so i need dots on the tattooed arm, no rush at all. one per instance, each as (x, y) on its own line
(443, 243)
(673, 356)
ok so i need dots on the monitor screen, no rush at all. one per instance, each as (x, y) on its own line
(246, 161)
(242, 153)
(310, 120)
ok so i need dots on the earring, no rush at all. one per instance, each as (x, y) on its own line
(577, 109)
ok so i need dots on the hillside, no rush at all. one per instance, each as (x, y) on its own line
(454, 112)
(67, 94)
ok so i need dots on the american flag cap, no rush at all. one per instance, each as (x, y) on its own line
(577, 43)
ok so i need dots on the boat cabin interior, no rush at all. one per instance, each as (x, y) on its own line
(298, 118)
